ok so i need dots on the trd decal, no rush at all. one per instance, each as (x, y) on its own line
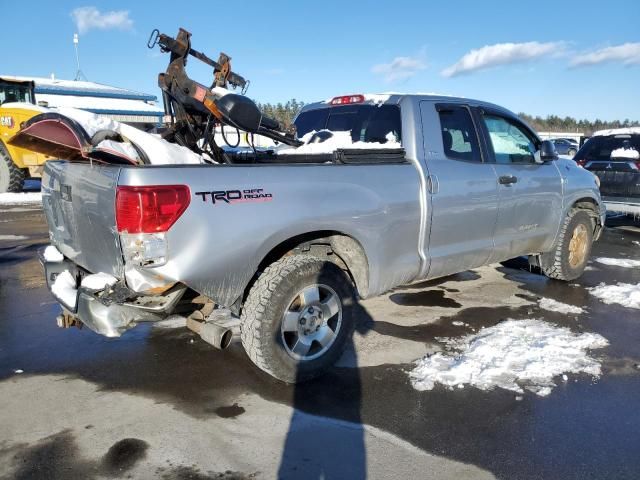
(236, 196)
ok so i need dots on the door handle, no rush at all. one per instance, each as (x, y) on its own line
(507, 179)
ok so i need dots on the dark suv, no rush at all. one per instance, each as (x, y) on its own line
(565, 147)
(614, 156)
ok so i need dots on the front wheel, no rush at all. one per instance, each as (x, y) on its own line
(571, 251)
(572, 152)
(11, 177)
(298, 317)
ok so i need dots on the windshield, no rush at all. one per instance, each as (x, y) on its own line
(599, 148)
(11, 92)
(367, 123)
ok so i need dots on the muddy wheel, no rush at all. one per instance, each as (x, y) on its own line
(297, 318)
(11, 177)
(571, 252)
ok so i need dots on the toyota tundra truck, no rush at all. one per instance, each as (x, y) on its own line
(279, 247)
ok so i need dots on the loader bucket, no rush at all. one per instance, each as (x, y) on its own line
(61, 137)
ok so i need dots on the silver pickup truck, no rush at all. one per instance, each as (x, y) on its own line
(279, 247)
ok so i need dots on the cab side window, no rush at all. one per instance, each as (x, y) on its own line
(459, 138)
(511, 143)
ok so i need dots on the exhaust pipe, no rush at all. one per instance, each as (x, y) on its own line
(219, 329)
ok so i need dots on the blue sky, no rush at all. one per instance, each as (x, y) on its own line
(563, 58)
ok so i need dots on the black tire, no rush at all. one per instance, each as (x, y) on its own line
(268, 300)
(11, 177)
(560, 263)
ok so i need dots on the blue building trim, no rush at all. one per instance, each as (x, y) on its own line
(124, 112)
(77, 92)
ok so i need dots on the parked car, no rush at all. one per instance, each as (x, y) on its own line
(565, 146)
(285, 243)
(614, 156)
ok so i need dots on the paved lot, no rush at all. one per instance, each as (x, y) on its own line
(160, 403)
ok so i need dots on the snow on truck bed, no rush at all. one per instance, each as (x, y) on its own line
(336, 141)
(159, 151)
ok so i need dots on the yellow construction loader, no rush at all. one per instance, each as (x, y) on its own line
(17, 105)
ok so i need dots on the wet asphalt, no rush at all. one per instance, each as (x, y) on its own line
(584, 429)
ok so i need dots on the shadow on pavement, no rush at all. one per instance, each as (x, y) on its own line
(321, 447)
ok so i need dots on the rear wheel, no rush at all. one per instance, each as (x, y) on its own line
(11, 177)
(571, 251)
(298, 317)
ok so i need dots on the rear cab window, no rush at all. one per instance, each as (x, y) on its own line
(459, 138)
(365, 122)
(601, 148)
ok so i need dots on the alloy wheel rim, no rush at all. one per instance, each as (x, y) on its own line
(311, 322)
(578, 246)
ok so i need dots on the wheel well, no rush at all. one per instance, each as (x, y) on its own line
(339, 248)
(591, 207)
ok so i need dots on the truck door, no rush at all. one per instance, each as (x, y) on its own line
(463, 190)
(530, 191)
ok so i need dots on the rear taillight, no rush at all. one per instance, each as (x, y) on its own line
(581, 162)
(150, 209)
(347, 99)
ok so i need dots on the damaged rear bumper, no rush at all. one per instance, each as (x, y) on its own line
(113, 310)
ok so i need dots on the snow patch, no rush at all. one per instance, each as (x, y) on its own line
(617, 131)
(625, 294)
(631, 153)
(173, 321)
(20, 198)
(514, 355)
(13, 237)
(619, 262)
(336, 141)
(52, 254)
(555, 306)
(98, 281)
(64, 288)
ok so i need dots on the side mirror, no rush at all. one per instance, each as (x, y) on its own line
(548, 151)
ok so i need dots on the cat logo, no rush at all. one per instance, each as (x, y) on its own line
(6, 121)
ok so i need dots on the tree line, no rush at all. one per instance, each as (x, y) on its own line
(286, 112)
(554, 123)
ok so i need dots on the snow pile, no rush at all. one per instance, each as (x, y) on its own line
(619, 262)
(20, 198)
(64, 288)
(336, 141)
(625, 294)
(631, 153)
(514, 355)
(52, 254)
(98, 281)
(159, 151)
(555, 306)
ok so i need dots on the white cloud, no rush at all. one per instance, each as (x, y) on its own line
(88, 18)
(502, 54)
(627, 53)
(400, 68)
